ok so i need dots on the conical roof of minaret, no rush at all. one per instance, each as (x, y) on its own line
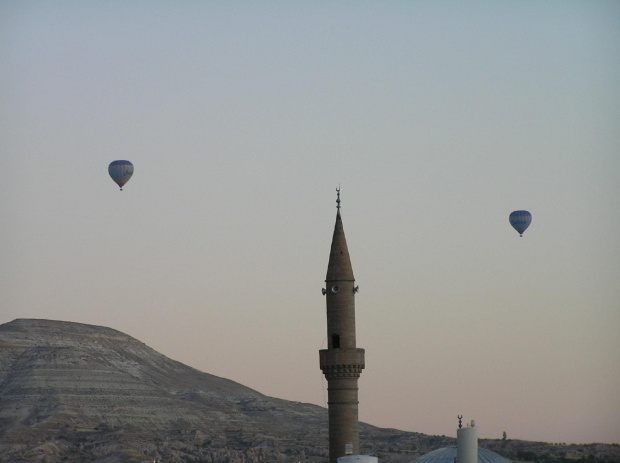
(339, 267)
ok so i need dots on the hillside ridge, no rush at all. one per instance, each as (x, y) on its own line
(78, 392)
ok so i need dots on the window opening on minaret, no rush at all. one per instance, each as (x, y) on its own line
(336, 341)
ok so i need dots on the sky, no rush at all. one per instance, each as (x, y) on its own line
(436, 119)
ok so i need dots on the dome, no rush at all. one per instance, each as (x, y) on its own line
(448, 454)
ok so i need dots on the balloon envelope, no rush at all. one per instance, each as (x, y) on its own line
(520, 220)
(121, 172)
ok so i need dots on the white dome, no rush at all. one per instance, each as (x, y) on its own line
(358, 458)
(448, 454)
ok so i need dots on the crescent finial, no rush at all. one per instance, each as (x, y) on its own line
(338, 197)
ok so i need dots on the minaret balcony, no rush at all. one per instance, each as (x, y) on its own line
(344, 362)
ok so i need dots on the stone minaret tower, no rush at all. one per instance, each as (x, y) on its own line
(342, 362)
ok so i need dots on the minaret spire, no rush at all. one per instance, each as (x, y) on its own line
(339, 266)
(342, 362)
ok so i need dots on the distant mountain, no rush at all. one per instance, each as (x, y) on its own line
(75, 392)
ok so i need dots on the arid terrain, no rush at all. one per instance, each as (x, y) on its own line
(75, 392)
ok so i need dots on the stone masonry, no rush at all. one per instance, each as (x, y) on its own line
(342, 362)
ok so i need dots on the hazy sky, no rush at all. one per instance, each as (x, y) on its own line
(436, 118)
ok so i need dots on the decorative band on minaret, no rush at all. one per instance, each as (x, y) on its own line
(342, 362)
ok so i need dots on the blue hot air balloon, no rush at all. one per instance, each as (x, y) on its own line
(121, 172)
(520, 220)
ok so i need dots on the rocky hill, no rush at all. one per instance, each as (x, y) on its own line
(75, 392)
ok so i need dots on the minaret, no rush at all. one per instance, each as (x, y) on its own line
(342, 362)
(467, 442)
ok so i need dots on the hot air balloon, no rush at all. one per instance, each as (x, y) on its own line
(121, 172)
(520, 220)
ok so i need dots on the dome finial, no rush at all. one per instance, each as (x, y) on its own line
(338, 197)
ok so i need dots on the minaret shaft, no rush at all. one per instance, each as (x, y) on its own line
(342, 362)
(340, 315)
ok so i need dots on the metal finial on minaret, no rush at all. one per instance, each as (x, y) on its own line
(338, 198)
(460, 417)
